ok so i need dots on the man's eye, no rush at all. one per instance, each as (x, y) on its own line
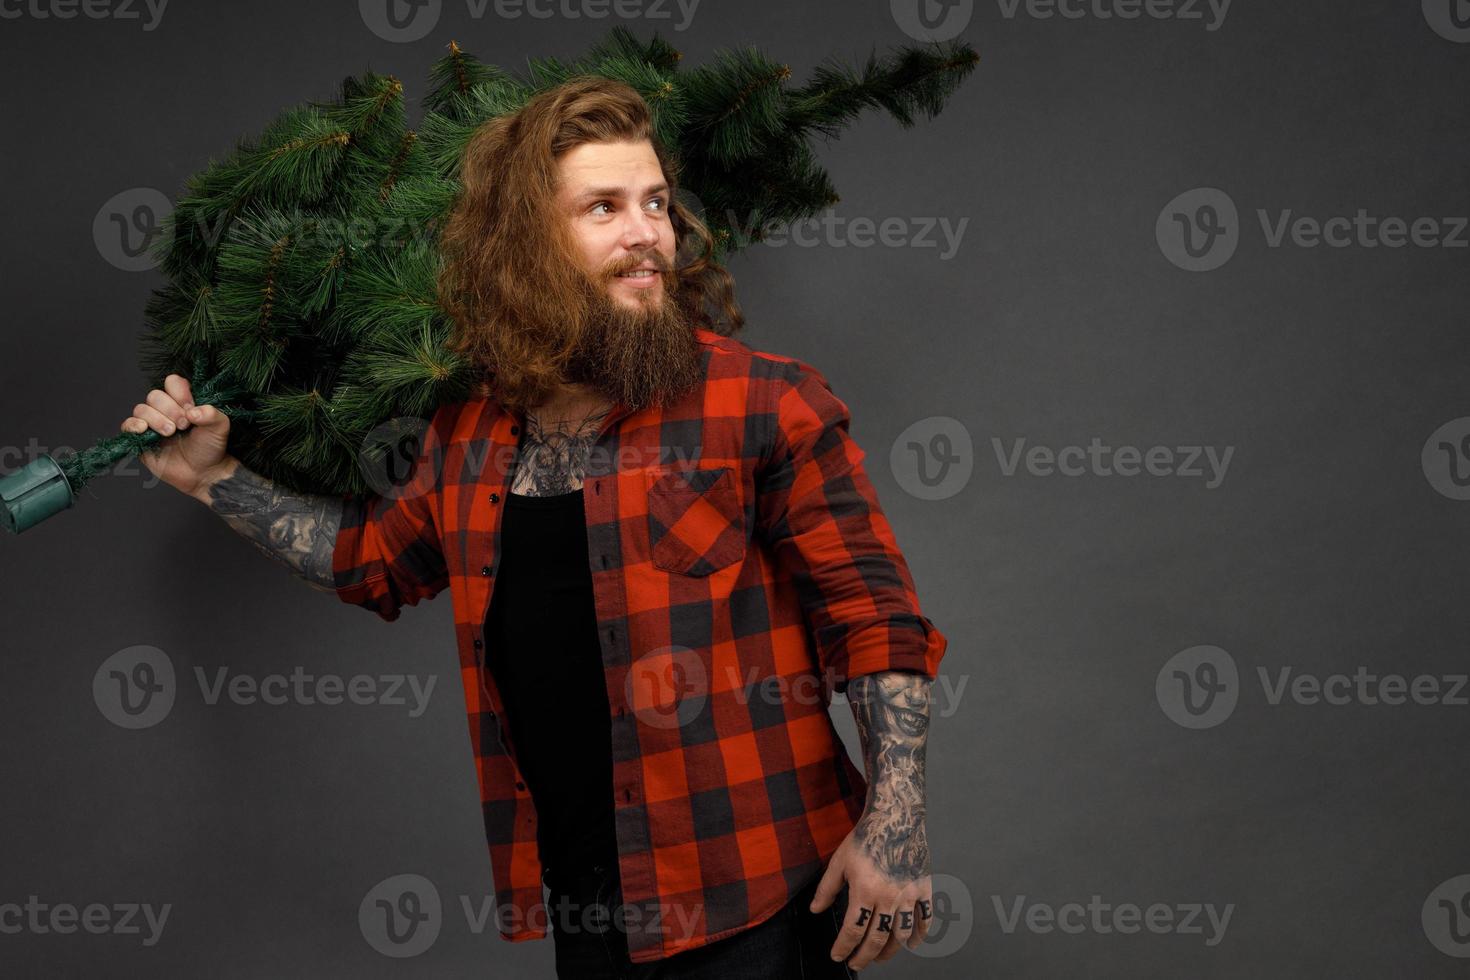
(659, 201)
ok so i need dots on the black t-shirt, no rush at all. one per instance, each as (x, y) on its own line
(542, 648)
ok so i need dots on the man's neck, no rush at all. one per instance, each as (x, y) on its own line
(556, 442)
(570, 402)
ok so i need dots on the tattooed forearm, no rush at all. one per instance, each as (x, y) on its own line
(299, 529)
(892, 713)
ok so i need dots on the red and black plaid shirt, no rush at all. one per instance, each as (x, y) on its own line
(742, 571)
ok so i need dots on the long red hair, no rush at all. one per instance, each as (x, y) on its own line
(508, 277)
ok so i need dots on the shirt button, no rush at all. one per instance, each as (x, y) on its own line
(479, 644)
(495, 498)
(485, 570)
(520, 785)
(515, 430)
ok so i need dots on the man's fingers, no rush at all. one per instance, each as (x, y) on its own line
(903, 928)
(155, 419)
(856, 925)
(165, 404)
(178, 389)
(879, 932)
(828, 888)
(923, 919)
(890, 949)
(850, 934)
(205, 415)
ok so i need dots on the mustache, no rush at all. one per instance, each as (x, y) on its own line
(657, 259)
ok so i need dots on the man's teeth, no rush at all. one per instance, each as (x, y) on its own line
(641, 274)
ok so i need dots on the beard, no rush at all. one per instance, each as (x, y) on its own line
(642, 355)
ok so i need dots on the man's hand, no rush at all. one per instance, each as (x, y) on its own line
(884, 912)
(885, 860)
(190, 462)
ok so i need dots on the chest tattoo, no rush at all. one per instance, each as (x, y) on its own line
(552, 455)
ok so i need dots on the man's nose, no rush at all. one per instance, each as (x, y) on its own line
(640, 231)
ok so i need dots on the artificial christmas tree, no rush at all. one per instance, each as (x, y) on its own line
(301, 295)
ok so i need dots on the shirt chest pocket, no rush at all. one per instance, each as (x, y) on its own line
(696, 522)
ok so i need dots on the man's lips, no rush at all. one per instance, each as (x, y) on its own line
(642, 277)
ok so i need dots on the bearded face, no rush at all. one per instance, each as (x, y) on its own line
(643, 352)
(632, 340)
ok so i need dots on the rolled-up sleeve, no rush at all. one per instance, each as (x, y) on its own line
(389, 552)
(819, 514)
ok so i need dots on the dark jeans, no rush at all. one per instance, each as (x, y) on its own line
(794, 943)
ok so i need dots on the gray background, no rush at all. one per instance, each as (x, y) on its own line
(1056, 775)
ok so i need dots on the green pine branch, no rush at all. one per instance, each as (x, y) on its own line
(302, 265)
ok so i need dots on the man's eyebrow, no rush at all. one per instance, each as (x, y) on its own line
(618, 191)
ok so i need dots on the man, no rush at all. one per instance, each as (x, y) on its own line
(664, 556)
